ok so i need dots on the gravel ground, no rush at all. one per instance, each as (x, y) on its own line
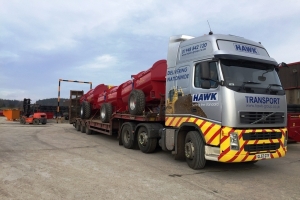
(54, 161)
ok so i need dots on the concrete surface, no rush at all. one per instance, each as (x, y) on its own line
(55, 161)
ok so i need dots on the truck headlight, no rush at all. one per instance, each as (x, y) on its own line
(234, 141)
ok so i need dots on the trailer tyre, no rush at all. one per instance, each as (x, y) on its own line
(128, 136)
(78, 126)
(146, 144)
(106, 112)
(82, 129)
(136, 102)
(36, 121)
(194, 150)
(88, 131)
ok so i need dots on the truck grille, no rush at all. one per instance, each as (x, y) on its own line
(262, 136)
(261, 117)
(261, 147)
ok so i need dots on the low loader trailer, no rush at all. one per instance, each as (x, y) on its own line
(216, 97)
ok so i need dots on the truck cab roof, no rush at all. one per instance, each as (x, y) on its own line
(183, 48)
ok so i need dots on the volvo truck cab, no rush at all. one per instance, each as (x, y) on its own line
(232, 108)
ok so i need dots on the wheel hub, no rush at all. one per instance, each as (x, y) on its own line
(132, 103)
(189, 150)
(102, 114)
(143, 139)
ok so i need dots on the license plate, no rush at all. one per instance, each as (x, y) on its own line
(263, 156)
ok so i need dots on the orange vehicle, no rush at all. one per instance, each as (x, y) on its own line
(31, 117)
(36, 118)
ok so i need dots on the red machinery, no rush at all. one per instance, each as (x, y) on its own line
(148, 85)
(35, 119)
(293, 122)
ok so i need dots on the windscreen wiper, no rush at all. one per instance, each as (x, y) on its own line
(248, 82)
(270, 85)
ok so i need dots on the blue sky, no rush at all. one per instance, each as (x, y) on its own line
(106, 41)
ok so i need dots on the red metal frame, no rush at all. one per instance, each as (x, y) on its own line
(293, 126)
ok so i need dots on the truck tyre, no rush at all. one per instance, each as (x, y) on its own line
(194, 150)
(78, 126)
(128, 136)
(136, 102)
(105, 112)
(85, 111)
(82, 129)
(88, 131)
(36, 121)
(146, 144)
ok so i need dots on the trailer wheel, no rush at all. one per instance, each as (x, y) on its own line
(106, 112)
(136, 102)
(78, 126)
(146, 144)
(85, 110)
(128, 136)
(36, 121)
(194, 150)
(82, 129)
(88, 131)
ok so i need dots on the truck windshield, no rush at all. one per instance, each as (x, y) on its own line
(251, 77)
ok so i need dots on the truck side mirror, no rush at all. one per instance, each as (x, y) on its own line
(204, 71)
(205, 84)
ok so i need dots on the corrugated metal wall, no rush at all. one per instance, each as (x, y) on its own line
(290, 80)
(293, 96)
(290, 77)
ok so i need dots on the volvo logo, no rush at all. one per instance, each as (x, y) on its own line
(264, 118)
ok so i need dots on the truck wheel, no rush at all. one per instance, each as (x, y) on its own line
(36, 121)
(146, 144)
(78, 126)
(105, 112)
(85, 110)
(128, 136)
(136, 102)
(88, 131)
(194, 150)
(82, 129)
